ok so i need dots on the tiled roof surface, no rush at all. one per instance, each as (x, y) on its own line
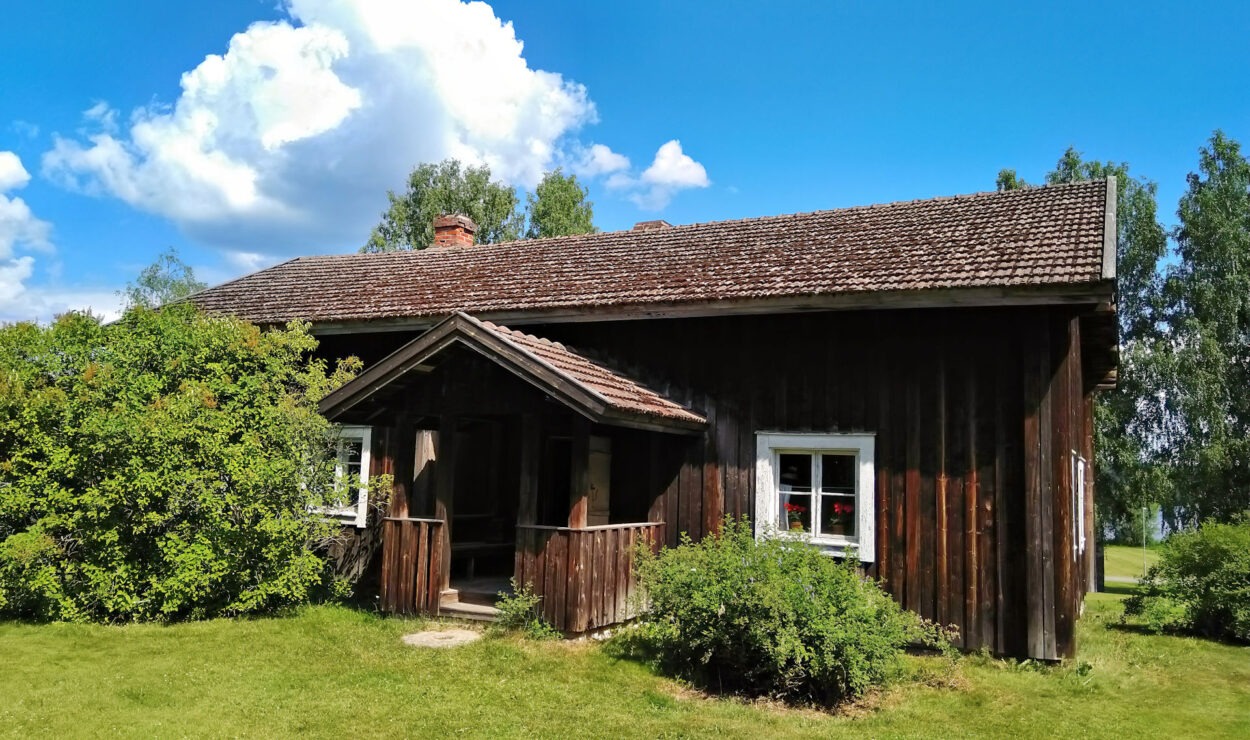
(1035, 237)
(616, 390)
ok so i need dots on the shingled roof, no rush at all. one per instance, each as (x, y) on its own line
(594, 390)
(1058, 237)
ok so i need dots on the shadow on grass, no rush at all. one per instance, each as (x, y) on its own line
(1121, 589)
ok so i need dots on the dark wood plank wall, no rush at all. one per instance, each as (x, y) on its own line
(975, 411)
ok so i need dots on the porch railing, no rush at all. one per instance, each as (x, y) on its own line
(585, 575)
(412, 567)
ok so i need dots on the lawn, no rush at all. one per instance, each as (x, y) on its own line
(1123, 561)
(330, 671)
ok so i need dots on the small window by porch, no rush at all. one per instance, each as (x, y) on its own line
(351, 464)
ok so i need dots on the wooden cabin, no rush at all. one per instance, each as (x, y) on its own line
(912, 383)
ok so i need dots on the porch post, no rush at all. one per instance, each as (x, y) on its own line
(444, 482)
(527, 506)
(579, 473)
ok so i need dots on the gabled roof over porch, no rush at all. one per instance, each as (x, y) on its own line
(600, 394)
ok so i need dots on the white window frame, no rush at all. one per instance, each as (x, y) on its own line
(357, 515)
(769, 445)
(1080, 469)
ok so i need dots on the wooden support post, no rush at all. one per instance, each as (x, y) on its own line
(425, 446)
(531, 447)
(579, 473)
(444, 488)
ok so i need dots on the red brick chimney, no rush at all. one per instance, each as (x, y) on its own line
(454, 231)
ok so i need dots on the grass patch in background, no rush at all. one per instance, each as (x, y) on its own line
(335, 672)
(1125, 561)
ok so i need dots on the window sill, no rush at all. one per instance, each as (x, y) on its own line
(838, 547)
(346, 517)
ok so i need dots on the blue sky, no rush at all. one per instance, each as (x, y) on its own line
(126, 137)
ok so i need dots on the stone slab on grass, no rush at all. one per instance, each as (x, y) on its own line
(441, 638)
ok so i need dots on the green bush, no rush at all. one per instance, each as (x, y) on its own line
(1200, 585)
(159, 468)
(775, 618)
(521, 611)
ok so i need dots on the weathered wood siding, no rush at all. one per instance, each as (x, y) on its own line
(975, 411)
(412, 565)
(585, 575)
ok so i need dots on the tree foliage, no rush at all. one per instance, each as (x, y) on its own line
(447, 188)
(1128, 473)
(161, 467)
(559, 207)
(1207, 367)
(164, 281)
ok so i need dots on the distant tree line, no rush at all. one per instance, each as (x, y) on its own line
(1174, 435)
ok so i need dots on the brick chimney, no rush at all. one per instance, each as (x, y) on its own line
(454, 231)
(652, 225)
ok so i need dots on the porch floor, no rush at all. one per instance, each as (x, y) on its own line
(474, 598)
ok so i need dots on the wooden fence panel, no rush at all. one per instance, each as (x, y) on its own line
(411, 565)
(585, 575)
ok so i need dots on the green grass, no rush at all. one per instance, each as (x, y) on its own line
(1126, 562)
(334, 672)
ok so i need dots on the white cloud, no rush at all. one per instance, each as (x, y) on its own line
(289, 140)
(21, 231)
(18, 226)
(12, 174)
(598, 160)
(671, 171)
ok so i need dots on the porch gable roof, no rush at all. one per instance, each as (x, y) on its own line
(597, 392)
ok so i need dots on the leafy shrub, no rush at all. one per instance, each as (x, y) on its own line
(159, 468)
(775, 617)
(1201, 583)
(521, 611)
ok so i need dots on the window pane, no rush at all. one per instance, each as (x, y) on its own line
(796, 472)
(350, 456)
(837, 514)
(796, 512)
(837, 473)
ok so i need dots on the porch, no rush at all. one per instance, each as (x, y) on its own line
(513, 457)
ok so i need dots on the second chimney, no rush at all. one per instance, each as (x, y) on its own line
(454, 231)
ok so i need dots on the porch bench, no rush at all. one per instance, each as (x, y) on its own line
(473, 550)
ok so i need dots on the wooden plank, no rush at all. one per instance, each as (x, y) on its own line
(421, 588)
(559, 549)
(388, 552)
(444, 486)
(579, 473)
(531, 439)
(598, 576)
(911, 508)
(714, 461)
(584, 564)
(957, 542)
(972, 517)
(539, 577)
(438, 566)
(611, 540)
(941, 555)
(623, 551)
(573, 542)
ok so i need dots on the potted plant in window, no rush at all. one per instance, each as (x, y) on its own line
(794, 514)
(842, 518)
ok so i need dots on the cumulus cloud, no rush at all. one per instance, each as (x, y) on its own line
(288, 141)
(598, 160)
(21, 231)
(671, 171)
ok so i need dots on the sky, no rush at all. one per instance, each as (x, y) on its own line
(246, 132)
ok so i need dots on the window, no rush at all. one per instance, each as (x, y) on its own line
(819, 486)
(353, 461)
(1079, 466)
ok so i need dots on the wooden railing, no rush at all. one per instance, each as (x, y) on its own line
(585, 575)
(412, 567)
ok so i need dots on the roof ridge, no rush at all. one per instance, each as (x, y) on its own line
(413, 253)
